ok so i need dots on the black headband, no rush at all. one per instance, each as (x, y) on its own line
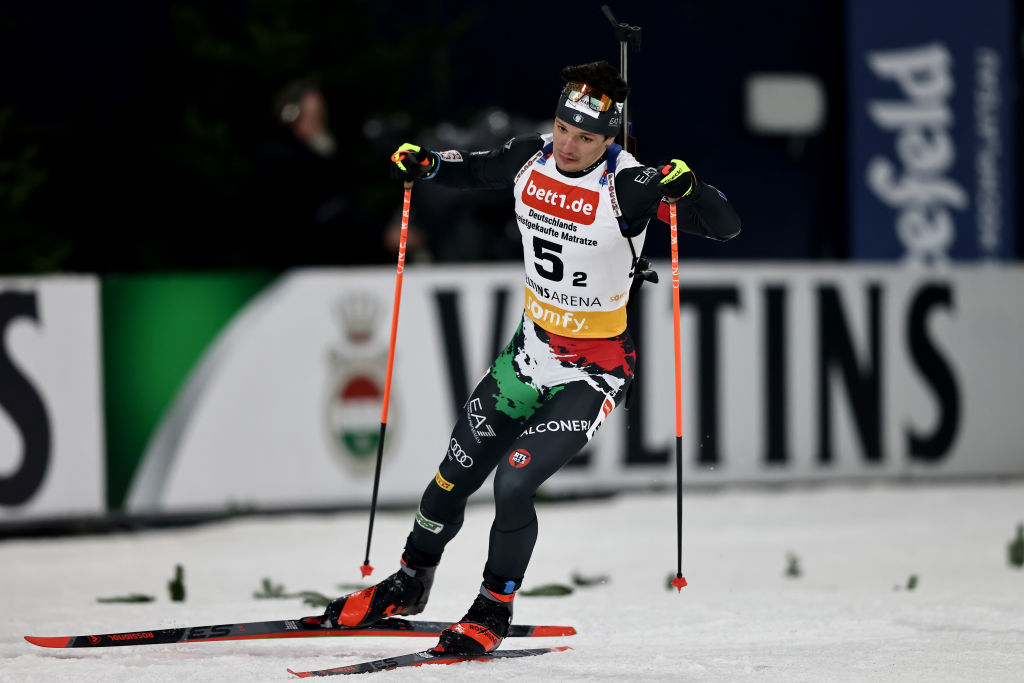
(582, 116)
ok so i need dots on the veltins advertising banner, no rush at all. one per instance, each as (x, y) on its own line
(790, 373)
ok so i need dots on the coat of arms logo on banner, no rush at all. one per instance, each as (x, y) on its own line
(356, 374)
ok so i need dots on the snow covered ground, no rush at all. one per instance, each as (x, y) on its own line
(848, 617)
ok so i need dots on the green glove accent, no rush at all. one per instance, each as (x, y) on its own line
(412, 161)
(678, 180)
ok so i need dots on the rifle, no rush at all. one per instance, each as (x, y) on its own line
(629, 36)
(629, 39)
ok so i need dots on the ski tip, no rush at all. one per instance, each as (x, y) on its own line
(56, 641)
(300, 674)
(546, 631)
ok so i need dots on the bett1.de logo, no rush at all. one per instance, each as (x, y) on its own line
(576, 204)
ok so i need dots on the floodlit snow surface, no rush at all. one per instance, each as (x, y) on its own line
(847, 617)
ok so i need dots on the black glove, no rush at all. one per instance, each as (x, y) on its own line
(410, 162)
(677, 178)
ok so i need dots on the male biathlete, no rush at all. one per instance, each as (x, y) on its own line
(583, 205)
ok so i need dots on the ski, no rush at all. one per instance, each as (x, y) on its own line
(288, 628)
(424, 657)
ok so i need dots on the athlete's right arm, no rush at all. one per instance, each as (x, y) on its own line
(490, 169)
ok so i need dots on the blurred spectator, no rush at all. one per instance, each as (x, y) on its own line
(471, 226)
(301, 195)
(449, 225)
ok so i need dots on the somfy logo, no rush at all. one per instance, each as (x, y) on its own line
(553, 316)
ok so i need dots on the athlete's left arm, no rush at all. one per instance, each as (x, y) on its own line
(703, 211)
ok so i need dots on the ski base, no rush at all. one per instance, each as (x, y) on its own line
(425, 657)
(288, 628)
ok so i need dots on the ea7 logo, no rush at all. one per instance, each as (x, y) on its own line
(477, 422)
(645, 176)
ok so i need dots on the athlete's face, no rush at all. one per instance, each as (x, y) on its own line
(574, 148)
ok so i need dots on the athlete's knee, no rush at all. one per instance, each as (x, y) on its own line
(513, 494)
(444, 505)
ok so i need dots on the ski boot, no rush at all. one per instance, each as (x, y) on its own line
(482, 629)
(403, 593)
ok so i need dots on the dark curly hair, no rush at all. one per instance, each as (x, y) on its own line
(600, 76)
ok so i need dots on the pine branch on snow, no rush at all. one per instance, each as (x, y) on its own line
(1015, 551)
(176, 585)
(134, 597)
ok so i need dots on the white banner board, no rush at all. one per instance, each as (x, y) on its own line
(51, 419)
(789, 373)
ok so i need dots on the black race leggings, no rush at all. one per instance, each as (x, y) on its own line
(539, 404)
